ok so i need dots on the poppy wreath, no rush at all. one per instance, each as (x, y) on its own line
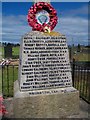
(32, 16)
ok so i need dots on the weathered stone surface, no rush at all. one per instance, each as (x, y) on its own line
(44, 62)
(45, 105)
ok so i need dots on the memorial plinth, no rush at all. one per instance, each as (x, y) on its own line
(44, 87)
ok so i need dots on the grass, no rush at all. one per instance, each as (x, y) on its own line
(1, 52)
(82, 57)
(8, 79)
(15, 50)
(1, 49)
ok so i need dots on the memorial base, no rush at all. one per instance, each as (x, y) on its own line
(59, 104)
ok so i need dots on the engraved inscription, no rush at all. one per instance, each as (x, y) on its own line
(45, 63)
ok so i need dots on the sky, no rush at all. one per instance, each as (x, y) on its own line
(72, 21)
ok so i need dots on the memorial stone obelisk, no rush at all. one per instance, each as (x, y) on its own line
(44, 86)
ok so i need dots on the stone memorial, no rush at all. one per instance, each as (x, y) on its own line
(44, 86)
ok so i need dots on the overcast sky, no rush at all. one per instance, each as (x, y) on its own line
(72, 21)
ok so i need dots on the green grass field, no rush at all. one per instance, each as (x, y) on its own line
(1, 49)
(15, 50)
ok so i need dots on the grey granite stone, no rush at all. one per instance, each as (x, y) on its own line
(57, 105)
(44, 62)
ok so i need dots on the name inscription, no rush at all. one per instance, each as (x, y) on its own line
(45, 63)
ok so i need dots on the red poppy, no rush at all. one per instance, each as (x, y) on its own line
(2, 107)
(32, 16)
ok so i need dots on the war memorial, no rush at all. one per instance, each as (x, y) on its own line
(44, 86)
